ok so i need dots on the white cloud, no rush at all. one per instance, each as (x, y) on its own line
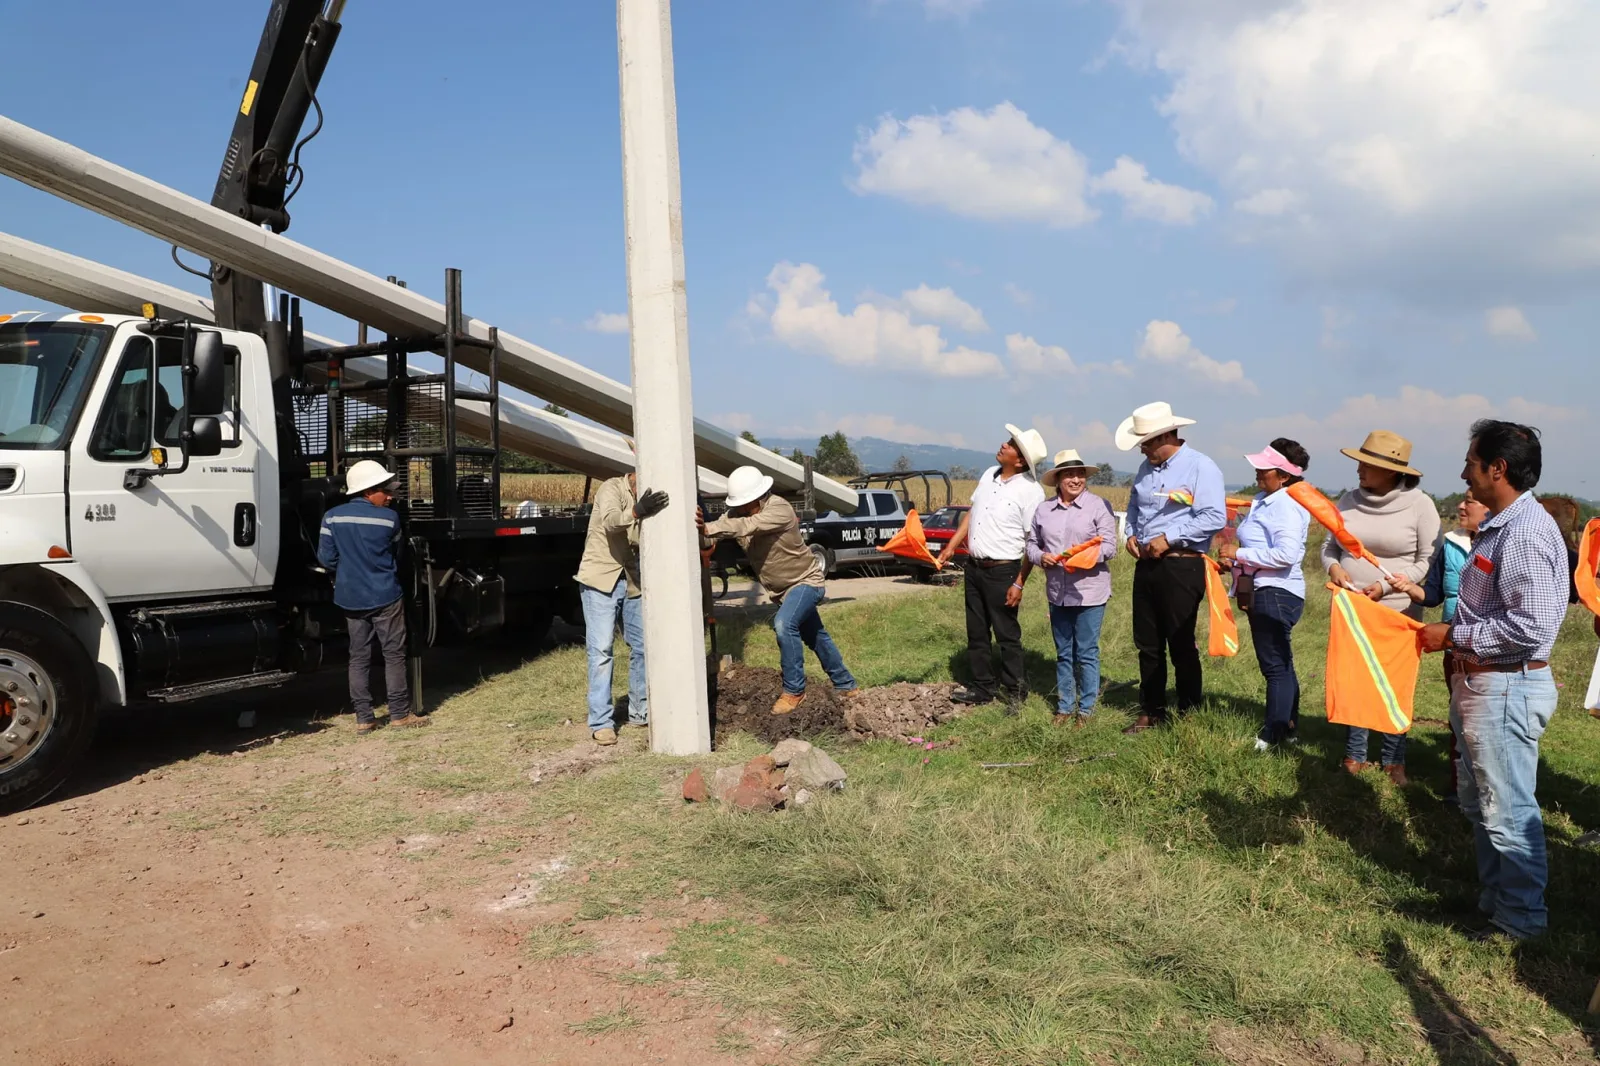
(806, 318)
(1166, 343)
(1090, 438)
(1444, 148)
(1145, 197)
(1028, 356)
(607, 322)
(994, 165)
(1021, 297)
(1509, 323)
(943, 305)
(882, 426)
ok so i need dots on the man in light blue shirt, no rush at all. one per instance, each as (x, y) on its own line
(1177, 505)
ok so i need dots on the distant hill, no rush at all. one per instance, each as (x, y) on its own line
(877, 454)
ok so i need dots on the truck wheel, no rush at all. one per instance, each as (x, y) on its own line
(824, 557)
(48, 705)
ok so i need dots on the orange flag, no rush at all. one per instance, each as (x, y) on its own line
(1085, 556)
(1224, 636)
(1326, 511)
(1588, 562)
(911, 542)
(1373, 657)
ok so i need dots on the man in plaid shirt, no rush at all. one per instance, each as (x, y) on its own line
(1513, 599)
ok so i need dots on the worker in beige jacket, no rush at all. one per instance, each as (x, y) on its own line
(768, 530)
(608, 586)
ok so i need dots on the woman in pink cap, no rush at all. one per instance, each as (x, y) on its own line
(1268, 582)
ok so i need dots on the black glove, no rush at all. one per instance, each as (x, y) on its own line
(650, 503)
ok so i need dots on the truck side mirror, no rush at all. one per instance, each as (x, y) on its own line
(206, 374)
(204, 439)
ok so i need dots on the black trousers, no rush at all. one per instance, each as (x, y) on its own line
(385, 626)
(1167, 593)
(987, 610)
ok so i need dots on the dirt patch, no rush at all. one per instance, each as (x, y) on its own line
(745, 695)
(578, 759)
(1242, 1047)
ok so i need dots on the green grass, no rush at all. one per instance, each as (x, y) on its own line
(1160, 905)
(1123, 907)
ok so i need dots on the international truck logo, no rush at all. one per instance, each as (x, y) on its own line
(100, 512)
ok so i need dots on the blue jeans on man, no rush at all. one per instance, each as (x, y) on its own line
(1077, 632)
(601, 612)
(798, 627)
(1273, 614)
(1499, 718)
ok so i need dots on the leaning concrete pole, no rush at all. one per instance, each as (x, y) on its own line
(663, 415)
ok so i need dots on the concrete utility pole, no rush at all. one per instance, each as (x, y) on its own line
(663, 415)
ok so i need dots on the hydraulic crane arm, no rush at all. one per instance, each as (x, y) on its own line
(261, 168)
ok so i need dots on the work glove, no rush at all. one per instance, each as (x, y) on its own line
(650, 503)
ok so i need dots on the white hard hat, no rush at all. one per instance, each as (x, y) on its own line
(746, 484)
(365, 475)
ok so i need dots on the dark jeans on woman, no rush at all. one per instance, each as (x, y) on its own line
(986, 610)
(1392, 753)
(1166, 604)
(1274, 612)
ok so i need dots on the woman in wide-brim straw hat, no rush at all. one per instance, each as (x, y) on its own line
(1398, 523)
(1076, 594)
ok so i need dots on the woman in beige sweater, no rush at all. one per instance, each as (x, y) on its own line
(1398, 523)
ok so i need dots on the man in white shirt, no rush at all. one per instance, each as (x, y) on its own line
(995, 531)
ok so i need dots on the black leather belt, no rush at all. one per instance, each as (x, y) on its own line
(990, 564)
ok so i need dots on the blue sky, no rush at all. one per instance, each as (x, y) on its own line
(921, 219)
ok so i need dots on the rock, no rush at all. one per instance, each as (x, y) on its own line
(761, 764)
(802, 797)
(152, 960)
(787, 750)
(724, 781)
(750, 798)
(694, 787)
(500, 1023)
(285, 991)
(815, 770)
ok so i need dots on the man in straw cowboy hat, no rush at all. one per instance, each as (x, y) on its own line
(1177, 505)
(358, 542)
(608, 587)
(995, 531)
(768, 530)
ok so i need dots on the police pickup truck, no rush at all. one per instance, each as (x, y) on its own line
(843, 542)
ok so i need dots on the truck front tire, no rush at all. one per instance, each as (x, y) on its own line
(48, 705)
(824, 558)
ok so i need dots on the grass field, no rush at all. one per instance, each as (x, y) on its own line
(1180, 899)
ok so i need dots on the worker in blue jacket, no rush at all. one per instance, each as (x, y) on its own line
(358, 543)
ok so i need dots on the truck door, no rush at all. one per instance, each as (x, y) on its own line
(179, 534)
(887, 517)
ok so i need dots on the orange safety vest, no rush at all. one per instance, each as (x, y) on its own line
(1223, 638)
(1374, 653)
(1588, 563)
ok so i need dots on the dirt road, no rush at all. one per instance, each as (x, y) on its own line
(154, 915)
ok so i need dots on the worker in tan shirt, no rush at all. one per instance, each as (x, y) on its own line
(769, 532)
(608, 586)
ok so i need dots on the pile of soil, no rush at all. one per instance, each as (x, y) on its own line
(745, 695)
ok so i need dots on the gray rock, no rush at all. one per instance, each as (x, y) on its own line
(814, 769)
(786, 750)
(802, 797)
(725, 781)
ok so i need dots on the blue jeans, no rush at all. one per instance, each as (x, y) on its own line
(1077, 633)
(1391, 753)
(799, 626)
(1274, 612)
(600, 613)
(1499, 718)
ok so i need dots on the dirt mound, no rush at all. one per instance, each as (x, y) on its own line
(745, 695)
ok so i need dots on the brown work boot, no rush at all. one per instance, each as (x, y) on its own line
(410, 721)
(1397, 774)
(1062, 718)
(788, 702)
(1140, 724)
(604, 737)
(848, 696)
(1354, 766)
(363, 728)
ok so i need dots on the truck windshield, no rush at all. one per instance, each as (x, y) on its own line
(45, 368)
